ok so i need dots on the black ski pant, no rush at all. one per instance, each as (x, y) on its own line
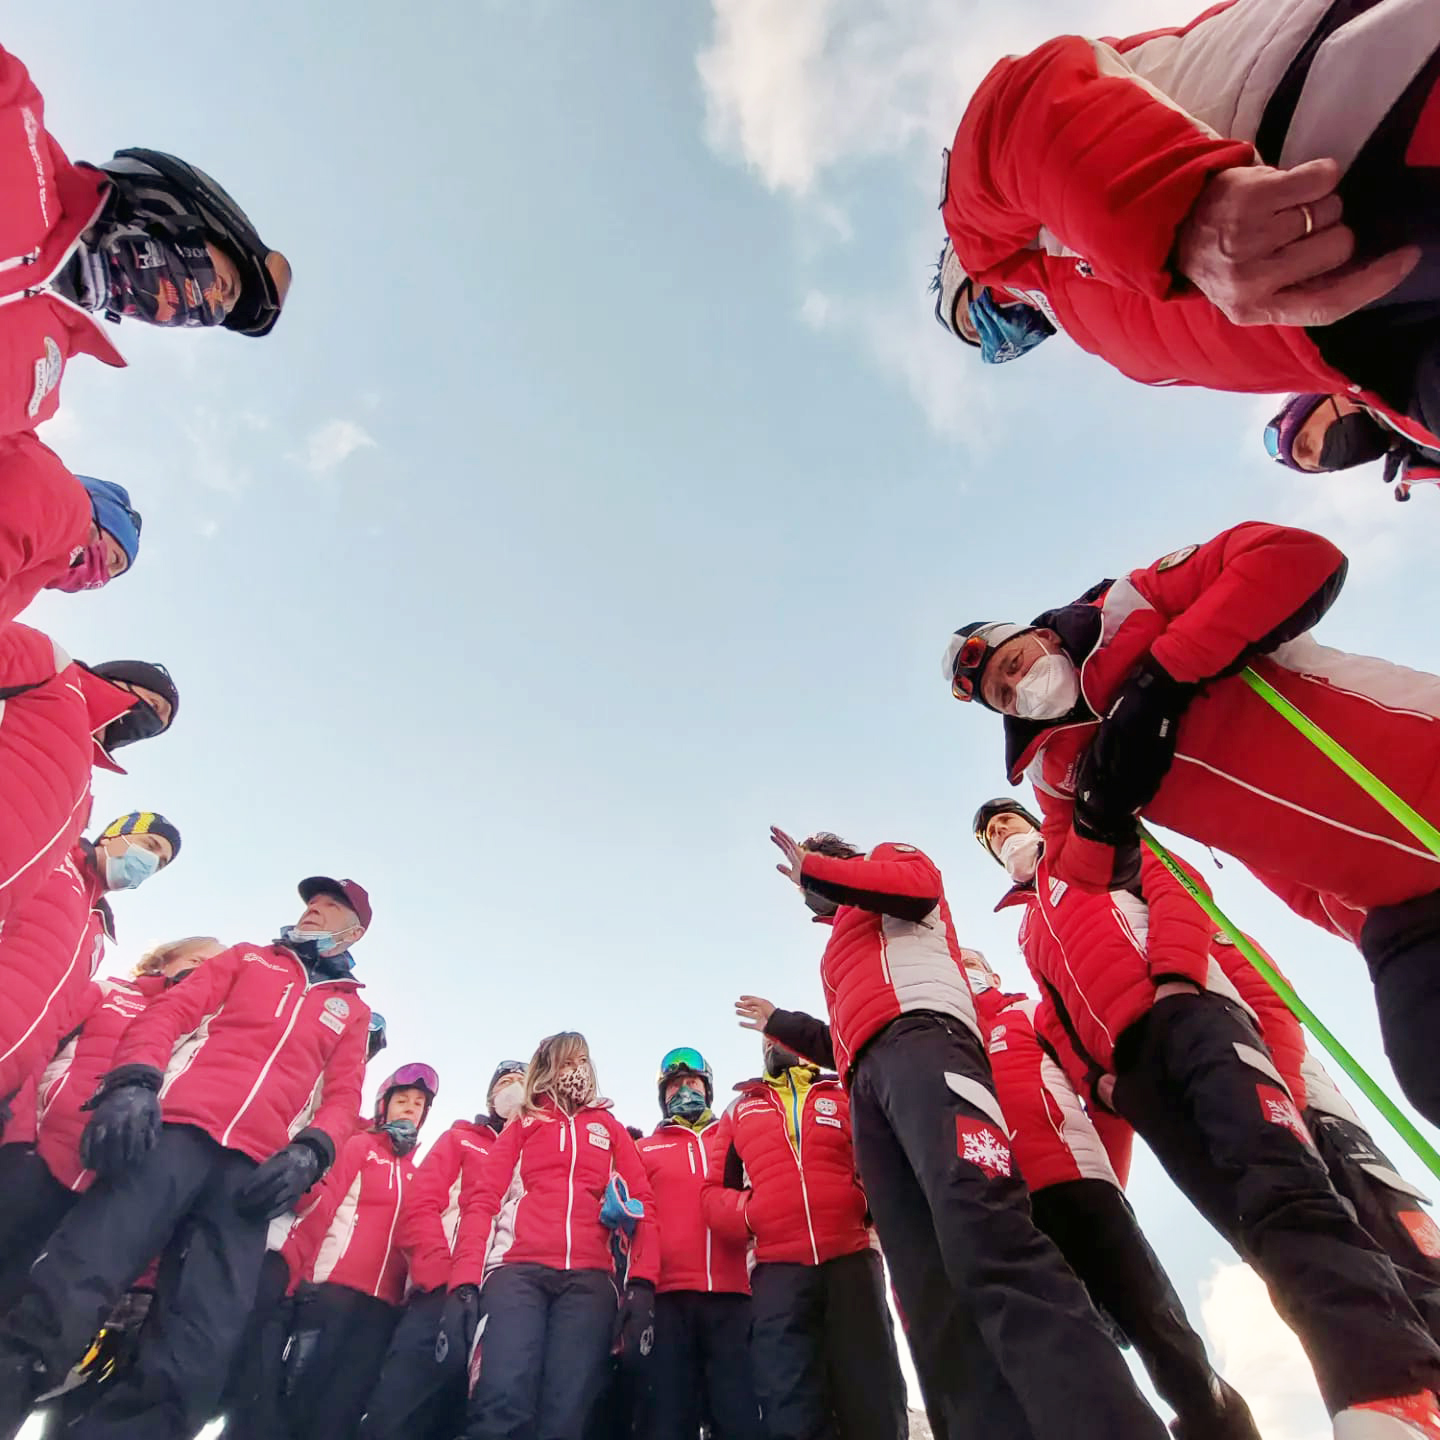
(823, 1351)
(932, 1150)
(418, 1397)
(32, 1203)
(180, 1200)
(1094, 1228)
(338, 1339)
(1401, 945)
(543, 1352)
(1395, 1221)
(251, 1402)
(699, 1369)
(1194, 1079)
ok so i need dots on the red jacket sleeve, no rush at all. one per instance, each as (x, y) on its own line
(479, 1202)
(645, 1243)
(893, 880)
(1329, 912)
(45, 516)
(1252, 587)
(28, 656)
(1177, 944)
(343, 1080)
(1284, 1038)
(150, 1037)
(312, 1224)
(421, 1231)
(1070, 140)
(1118, 1139)
(722, 1205)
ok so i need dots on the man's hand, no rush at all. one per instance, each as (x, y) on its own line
(1267, 247)
(754, 1012)
(1175, 987)
(794, 854)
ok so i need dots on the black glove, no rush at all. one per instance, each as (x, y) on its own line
(637, 1323)
(278, 1183)
(459, 1321)
(1131, 753)
(126, 1120)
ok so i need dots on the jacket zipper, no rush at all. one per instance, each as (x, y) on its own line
(800, 1165)
(33, 258)
(283, 999)
(570, 1193)
(399, 1188)
(704, 1171)
(16, 261)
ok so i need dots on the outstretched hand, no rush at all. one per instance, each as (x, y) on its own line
(754, 1012)
(1268, 247)
(793, 853)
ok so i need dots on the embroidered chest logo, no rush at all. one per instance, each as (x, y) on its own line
(338, 1007)
(981, 1145)
(599, 1135)
(47, 376)
(826, 1107)
(1057, 890)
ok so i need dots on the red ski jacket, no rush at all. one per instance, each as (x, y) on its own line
(692, 1255)
(431, 1214)
(780, 1167)
(892, 946)
(347, 1235)
(47, 752)
(538, 1198)
(70, 1079)
(1243, 779)
(46, 518)
(46, 204)
(49, 951)
(254, 1052)
(1075, 165)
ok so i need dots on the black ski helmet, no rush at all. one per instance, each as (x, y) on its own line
(162, 189)
(502, 1070)
(685, 1061)
(1001, 805)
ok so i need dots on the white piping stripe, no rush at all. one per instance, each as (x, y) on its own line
(50, 998)
(974, 1093)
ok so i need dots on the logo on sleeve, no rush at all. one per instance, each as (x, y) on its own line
(1176, 557)
(47, 376)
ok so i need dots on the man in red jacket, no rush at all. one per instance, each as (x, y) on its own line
(780, 1173)
(1173, 201)
(225, 1104)
(1162, 1039)
(933, 1150)
(1128, 701)
(701, 1363)
(144, 236)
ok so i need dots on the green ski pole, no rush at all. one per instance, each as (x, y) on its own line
(1403, 1126)
(1366, 779)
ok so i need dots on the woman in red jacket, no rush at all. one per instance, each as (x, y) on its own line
(530, 1230)
(350, 1271)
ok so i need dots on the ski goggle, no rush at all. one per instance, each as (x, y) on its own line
(377, 1023)
(683, 1061)
(1272, 440)
(969, 661)
(422, 1077)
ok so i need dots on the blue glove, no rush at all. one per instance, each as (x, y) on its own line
(126, 1121)
(618, 1211)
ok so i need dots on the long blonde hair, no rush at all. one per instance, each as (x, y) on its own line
(553, 1054)
(154, 961)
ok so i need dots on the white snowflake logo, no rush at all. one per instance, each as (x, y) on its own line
(1282, 1111)
(983, 1147)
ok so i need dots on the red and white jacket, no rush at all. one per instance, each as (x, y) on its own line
(253, 1052)
(46, 519)
(692, 1255)
(49, 951)
(1075, 165)
(46, 204)
(892, 947)
(780, 1168)
(431, 1214)
(348, 1233)
(1243, 779)
(538, 1198)
(71, 1077)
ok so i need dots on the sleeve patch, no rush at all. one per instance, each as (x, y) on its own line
(1177, 557)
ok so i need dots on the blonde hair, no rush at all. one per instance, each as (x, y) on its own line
(553, 1054)
(154, 961)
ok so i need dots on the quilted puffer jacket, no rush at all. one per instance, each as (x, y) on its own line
(431, 1214)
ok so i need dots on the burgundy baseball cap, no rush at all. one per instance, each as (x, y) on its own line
(346, 891)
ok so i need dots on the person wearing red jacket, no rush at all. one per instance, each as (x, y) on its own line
(422, 1389)
(345, 1258)
(780, 1176)
(224, 1104)
(530, 1230)
(143, 236)
(701, 1364)
(931, 1142)
(1197, 205)
(1129, 701)
(1166, 1043)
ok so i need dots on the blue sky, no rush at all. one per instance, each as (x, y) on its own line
(607, 493)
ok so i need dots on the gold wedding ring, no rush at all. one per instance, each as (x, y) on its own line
(1309, 219)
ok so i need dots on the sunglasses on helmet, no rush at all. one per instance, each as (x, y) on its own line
(682, 1061)
(421, 1076)
(968, 661)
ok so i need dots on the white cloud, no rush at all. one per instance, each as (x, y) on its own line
(328, 446)
(815, 309)
(1258, 1354)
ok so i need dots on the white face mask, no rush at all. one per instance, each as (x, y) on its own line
(1049, 689)
(1020, 854)
(507, 1099)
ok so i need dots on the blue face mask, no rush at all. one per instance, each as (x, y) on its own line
(1007, 331)
(404, 1135)
(309, 945)
(132, 867)
(686, 1103)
